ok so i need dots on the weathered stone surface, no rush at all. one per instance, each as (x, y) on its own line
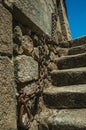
(8, 117)
(64, 44)
(5, 30)
(27, 45)
(73, 119)
(73, 43)
(51, 66)
(35, 53)
(46, 49)
(69, 76)
(77, 50)
(9, 3)
(78, 41)
(65, 97)
(27, 68)
(29, 88)
(18, 35)
(35, 40)
(72, 61)
(53, 56)
(17, 49)
(61, 51)
(29, 11)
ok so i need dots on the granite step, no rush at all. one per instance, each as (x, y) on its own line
(67, 77)
(71, 61)
(73, 43)
(77, 50)
(65, 119)
(65, 97)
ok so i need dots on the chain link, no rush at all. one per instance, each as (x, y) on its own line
(39, 88)
(40, 84)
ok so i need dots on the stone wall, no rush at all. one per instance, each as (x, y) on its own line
(8, 116)
(19, 53)
(37, 15)
(62, 30)
(26, 56)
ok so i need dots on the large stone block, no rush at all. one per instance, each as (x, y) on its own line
(7, 98)
(5, 30)
(26, 68)
(34, 13)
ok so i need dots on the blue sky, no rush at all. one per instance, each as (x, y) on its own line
(77, 17)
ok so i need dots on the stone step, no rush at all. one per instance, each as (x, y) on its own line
(72, 119)
(72, 61)
(69, 76)
(65, 97)
(73, 43)
(77, 50)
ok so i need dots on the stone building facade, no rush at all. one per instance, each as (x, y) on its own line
(22, 22)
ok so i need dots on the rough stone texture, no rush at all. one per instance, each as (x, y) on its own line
(35, 53)
(27, 68)
(78, 41)
(41, 17)
(65, 97)
(8, 117)
(5, 30)
(29, 88)
(73, 61)
(73, 43)
(73, 119)
(17, 49)
(52, 56)
(27, 45)
(69, 76)
(9, 3)
(51, 66)
(17, 35)
(36, 15)
(62, 14)
(61, 51)
(77, 50)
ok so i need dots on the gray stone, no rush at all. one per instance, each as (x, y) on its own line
(5, 30)
(69, 76)
(30, 13)
(8, 118)
(9, 3)
(51, 66)
(18, 35)
(65, 97)
(46, 50)
(29, 88)
(73, 43)
(27, 45)
(35, 53)
(27, 68)
(53, 56)
(35, 40)
(61, 51)
(78, 41)
(77, 50)
(17, 49)
(73, 119)
(72, 61)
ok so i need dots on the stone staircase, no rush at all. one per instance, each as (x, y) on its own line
(66, 97)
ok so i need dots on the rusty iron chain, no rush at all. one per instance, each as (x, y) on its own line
(23, 97)
(39, 88)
